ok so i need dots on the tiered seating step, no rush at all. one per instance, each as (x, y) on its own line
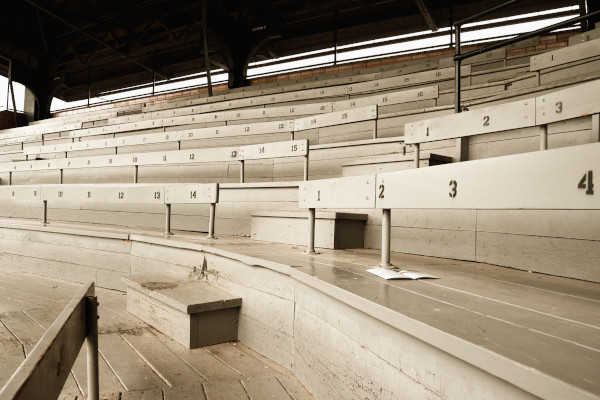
(391, 162)
(194, 313)
(336, 230)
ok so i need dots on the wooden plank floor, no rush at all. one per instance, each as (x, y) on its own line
(136, 362)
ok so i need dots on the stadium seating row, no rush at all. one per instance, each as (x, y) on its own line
(553, 179)
(294, 148)
(123, 194)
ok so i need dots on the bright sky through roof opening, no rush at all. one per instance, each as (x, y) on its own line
(379, 48)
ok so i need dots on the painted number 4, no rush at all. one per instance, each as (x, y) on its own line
(587, 182)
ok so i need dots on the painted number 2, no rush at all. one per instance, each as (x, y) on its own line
(453, 188)
(587, 182)
(381, 189)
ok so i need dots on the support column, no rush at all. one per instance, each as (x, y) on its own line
(205, 46)
(12, 93)
(375, 129)
(241, 171)
(45, 212)
(211, 221)
(29, 106)
(386, 228)
(417, 154)
(596, 127)
(462, 144)
(462, 149)
(306, 167)
(543, 137)
(135, 174)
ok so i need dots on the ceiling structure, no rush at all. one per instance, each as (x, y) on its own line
(74, 48)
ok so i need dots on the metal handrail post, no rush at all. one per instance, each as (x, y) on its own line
(93, 386)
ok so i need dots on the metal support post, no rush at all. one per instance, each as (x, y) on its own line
(417, 155)
(543, 137)
(375, 129)
(306, 167)
(205, 46)
(135, 174)
(93, 387)
(10, 177)
(241, 171)
(596, 127)
(457, 69)
(45, 212)
(211, 221)
(167, 220)
(462, 144)
(386, 226)
(60, 176)
(311, 232)
(12, 93)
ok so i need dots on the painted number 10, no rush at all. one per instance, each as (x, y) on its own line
(587, 182)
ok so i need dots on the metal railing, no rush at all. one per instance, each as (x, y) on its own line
(44, 372)
(458, 57)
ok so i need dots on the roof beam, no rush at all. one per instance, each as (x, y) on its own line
(92, 37)
(429, 17)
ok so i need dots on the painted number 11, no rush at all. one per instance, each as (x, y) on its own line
(587, 182)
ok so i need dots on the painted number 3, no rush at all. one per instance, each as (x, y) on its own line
(453, 188)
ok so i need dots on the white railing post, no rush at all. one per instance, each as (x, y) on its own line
(543, 137)
(167, 220)
(241, 171)
(93, 387)
(45, 212)
(386, 227)
(416, 152)
(211, 221)
(311, 231)
(306, 167)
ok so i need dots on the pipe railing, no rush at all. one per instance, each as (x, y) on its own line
(458, 57)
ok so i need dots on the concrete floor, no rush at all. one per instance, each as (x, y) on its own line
(532, 322)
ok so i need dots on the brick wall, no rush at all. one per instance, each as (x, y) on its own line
(7, 119)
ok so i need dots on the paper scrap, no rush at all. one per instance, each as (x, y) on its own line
(386, 273)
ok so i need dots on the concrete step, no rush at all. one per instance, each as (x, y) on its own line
(193, 313)
(334, 230)
(391, 162)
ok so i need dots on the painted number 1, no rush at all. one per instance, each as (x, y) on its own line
(587, 182)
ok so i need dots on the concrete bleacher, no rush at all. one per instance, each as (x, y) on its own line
(358, 138)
